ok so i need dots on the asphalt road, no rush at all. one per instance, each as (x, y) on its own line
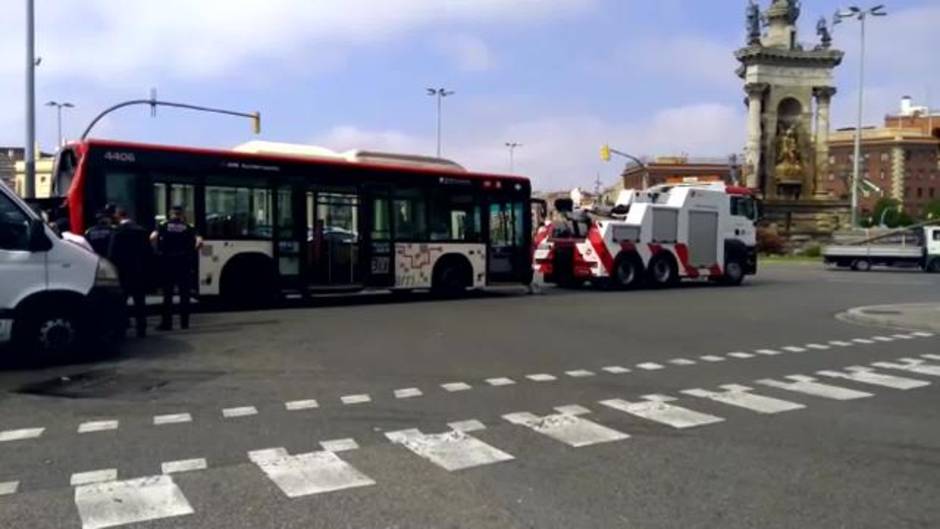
(568, 409)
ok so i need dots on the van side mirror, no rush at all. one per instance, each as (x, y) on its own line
(38, 241)
(564, 205)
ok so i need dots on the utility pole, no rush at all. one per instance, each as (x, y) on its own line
(512, 150)
(440, 94)
(29, 152)
(59, 106)
(857, 13)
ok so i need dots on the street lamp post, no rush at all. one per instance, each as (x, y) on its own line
(440, 94)
(29, 154)
(58, 107)
(857, 13)
(512, 151)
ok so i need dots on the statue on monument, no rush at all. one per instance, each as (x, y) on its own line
(793, 11)
(789, 161)
(825, 34)
(753, 23)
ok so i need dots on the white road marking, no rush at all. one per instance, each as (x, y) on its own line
(650, 366)
(471, 425)
(567, 428)
(123, 502)
(97, 426)
(453, 450)
(355, 399)
(172, 418)
(865, 341)
(737, 395)
(808, 385)
(767, 352)
(740, 355)
(840, 343)
(616, 370)
(183, 465)
(93, 476)
(931, 356)
(310, 473)
(902, 336)
(456, 386)
(712, 358)
(296, 405)
(793, 349)
(817, 346)
(913, 365)
(579, 373)
(21, 434)
(572, 409)
(655, 408)
(9, 487)
(882, 338)
(869, 376)
(340, 445)
(541, 377)
(407, 393)
(922, 334)
(242, 411)
(682, 362)
(501, 381)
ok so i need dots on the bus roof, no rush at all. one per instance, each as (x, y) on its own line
(365, 159)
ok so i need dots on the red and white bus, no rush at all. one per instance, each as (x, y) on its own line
(279, 218)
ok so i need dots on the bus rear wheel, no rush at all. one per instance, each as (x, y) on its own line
(249, 282)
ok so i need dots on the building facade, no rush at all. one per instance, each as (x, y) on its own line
(672, 169)
(8, 158)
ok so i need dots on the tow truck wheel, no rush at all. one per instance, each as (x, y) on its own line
(663, 272)
(734, 272)
(626, 274)
(861, 265)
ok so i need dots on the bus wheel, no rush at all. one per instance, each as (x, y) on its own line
(663, 271)
(627, 273)
(452, 277)
(249, 282)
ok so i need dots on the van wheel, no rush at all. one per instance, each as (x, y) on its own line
(663, 271)
(861, 265)
(51, 335)
(627, 273)
(734, 272)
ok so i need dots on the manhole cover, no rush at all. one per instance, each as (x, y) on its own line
(104, 383)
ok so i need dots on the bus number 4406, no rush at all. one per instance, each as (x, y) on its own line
(119, 156)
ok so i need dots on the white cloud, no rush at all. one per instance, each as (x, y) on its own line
(470, 53)
(687, 58)
(562, 151)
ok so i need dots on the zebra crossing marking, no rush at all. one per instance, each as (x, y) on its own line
(541, 377)
(456, 386)
(922, 334)
(650, 366)
(9, 487)
(339, 445)
(712, 358)
(116, 503)
(931, 356)
(809, 386)
(471, 425)
(740, 355)
(913, 365)
(407, 393)
(501, 381)
(616, 370)
(840, 343)
(241, 411)
(868, 376)
(902, 336)
(97, 426)
(865, 341)
(361, 398)
(567, 426)
(452, 451)
(296, 405)
(183, 465)
(579, 373)
(738, 395)
(882, 338)
(21, 434)
(93, 476)
(173, 418)
(817, 346)
(655, 408)
(309, 473)
(682, 362)
(767, 352)
(794, 349)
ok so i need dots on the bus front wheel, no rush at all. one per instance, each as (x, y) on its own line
(249, 282)
(452, 276)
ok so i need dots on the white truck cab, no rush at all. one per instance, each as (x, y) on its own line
(54, 294)
(932, 243)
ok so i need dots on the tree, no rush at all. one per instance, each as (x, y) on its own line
(888, 211)
(932, 210)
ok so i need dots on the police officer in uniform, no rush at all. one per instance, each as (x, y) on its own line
(130, 253)
(99, 235)
(176, 243)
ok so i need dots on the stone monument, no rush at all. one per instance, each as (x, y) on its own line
(789, 89)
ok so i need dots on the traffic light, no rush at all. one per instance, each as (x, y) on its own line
(605, 152)
(256, 122)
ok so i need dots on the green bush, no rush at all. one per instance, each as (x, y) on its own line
(813, 251)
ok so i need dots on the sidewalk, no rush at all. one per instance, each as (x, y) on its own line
(911, 316)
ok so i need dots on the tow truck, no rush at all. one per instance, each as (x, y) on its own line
(915, 246)
(653, 237)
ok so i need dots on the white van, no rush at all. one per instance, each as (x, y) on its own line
(54, 294)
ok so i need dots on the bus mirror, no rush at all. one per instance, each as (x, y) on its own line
(564, 205)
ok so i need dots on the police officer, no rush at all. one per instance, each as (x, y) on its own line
(99, 235)
(130, 253)
(176, 243)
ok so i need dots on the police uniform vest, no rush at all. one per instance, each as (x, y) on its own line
(99, 237)
(176, 239)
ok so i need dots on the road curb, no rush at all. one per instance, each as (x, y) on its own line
(904, 316)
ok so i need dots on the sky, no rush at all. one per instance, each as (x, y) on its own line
(560, 77)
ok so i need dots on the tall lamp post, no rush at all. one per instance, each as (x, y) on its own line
(857, 13)
(58, 107)
(512, 151)
(440, 94)
(29, 154)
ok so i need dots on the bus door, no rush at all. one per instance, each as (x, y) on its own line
(507, 254)
(378, 258)
(333, 238)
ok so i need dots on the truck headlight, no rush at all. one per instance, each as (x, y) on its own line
(106, 275)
